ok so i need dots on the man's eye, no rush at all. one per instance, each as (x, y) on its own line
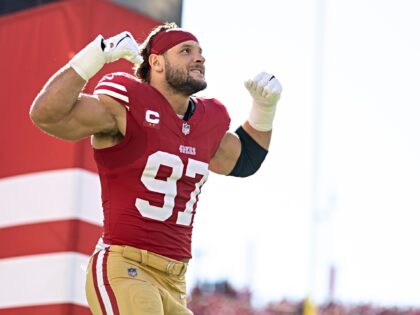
(186, 50)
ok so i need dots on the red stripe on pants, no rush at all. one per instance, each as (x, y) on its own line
(108, 288)
(95, 283)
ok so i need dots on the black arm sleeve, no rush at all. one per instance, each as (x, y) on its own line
(251, 157)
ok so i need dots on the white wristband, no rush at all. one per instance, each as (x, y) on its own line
(89, 60)
(261, 117)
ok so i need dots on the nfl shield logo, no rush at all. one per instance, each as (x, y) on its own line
(132, 272)
(185, 128)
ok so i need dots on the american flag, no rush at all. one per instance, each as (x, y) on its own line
(50, 207)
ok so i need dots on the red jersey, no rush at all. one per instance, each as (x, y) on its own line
(151, 180)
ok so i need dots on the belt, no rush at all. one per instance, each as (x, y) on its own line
(161, 263)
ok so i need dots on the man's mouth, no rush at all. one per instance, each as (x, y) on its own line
(197, 70)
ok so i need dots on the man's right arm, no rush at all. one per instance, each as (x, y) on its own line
(60, 109)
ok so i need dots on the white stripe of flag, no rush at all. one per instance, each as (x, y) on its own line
(49, 196)
(46, 279)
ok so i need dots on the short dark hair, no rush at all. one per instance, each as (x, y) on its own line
(142, 71)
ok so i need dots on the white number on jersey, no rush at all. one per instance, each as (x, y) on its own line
(168, 187)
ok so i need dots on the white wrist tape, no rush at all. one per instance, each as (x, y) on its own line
(261, 117)
(89, 60)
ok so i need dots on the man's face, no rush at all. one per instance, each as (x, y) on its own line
(184, 68)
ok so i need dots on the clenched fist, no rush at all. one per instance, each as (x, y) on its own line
(265, 91)
(101, 51)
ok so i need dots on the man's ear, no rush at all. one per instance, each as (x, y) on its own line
(156, 62)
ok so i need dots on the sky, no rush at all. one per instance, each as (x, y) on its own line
(340, 187)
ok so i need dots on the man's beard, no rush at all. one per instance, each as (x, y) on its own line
(182, 82)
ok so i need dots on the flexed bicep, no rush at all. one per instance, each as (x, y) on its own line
(224, 160)
(89, 116)
(62, 111)
(242, 153)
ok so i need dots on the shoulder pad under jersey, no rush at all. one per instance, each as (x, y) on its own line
(214, 105)
(117, 86)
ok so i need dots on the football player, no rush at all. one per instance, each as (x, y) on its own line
(154, 144)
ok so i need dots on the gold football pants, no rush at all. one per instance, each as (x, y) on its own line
(123, 280)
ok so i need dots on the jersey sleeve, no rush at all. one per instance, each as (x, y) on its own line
(116, 85)
(220, 121)
(219, 116)
(224, 118)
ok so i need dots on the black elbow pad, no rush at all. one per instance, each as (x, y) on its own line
(251, 157)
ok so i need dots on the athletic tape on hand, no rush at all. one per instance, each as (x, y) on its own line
(265, 91)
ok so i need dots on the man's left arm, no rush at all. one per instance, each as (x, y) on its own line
(241, 153)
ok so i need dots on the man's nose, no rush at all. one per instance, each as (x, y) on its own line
(199, 58)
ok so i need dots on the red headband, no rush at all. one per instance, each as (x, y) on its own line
(167, 39)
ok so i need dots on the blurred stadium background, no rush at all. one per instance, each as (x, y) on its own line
(50, 212)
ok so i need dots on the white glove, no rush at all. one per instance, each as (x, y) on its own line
(265, 90)
(95, 55)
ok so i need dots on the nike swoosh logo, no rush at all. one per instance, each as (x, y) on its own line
(126, 35)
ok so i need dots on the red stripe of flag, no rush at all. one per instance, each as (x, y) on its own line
(49, 237)
(51, 309)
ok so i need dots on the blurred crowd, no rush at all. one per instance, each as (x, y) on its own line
(222, 299)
